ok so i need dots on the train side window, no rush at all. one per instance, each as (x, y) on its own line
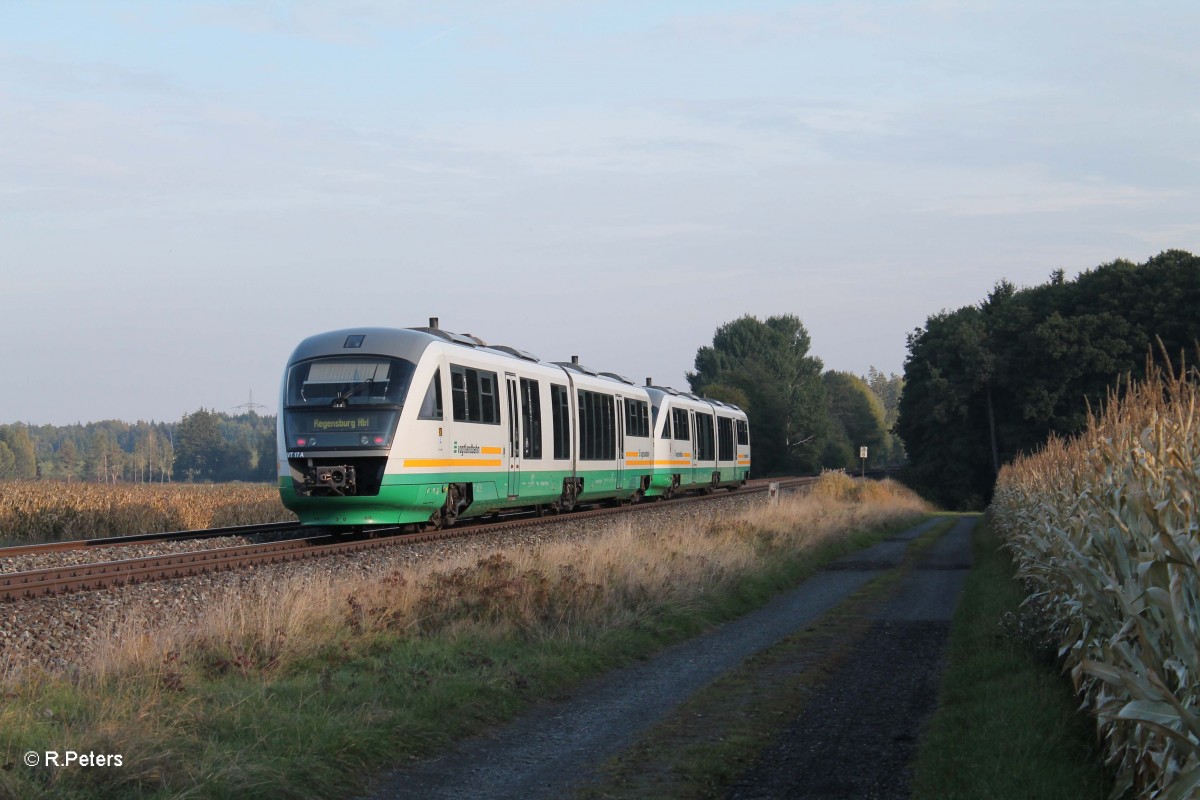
(458, 392)
(597, 426)
(743, 432)
(474, 395)
(587, 433)
(561, 420)
(666, 434)
(725, 448)
(637, 417)
(489, 398)
(431, 406)
(679, 417)
(704, 437)
(531, 413)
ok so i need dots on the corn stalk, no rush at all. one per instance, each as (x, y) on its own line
(1106, 535)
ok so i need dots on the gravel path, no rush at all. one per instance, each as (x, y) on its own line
(554, 749)
(860, 732)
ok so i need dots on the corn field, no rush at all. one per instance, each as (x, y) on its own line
(37, 511)
(1106, 534)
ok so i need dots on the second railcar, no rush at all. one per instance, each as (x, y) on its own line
(699, 443)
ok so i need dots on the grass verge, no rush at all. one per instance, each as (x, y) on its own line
(299, 691)
(1007, 724)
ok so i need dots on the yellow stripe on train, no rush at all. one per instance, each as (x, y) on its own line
(455, 462)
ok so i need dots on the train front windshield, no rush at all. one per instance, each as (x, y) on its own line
(345, 403)
(344, 382)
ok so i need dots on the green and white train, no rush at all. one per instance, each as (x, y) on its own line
(421, 426)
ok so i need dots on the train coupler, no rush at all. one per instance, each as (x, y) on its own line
(330, 480)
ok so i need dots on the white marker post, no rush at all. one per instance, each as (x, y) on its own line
(862, 453)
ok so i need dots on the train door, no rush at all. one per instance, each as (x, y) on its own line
(694, 435)
(620, 401)
(514, 435)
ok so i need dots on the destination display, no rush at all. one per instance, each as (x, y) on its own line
(339, 430)
(353, 422)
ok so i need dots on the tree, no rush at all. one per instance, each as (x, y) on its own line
(986, 382)
(768, 363)
(856, 419)
(20, 446)
(942, 414)
(68, 460)
(728, 394)
(199, 447)
(105, 459)
(267, 465)
(8, 462)
(889, 389)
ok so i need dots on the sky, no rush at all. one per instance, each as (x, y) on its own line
(188, 189)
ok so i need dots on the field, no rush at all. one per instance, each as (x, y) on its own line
(44, 511)
(298, 688)
(1106, 532)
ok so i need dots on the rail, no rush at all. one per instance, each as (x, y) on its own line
(84, 577)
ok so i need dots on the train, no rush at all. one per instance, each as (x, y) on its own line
(424, 427)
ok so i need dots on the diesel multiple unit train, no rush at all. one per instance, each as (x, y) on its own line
(421, 426)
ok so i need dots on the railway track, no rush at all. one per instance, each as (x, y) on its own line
(83, 577)
(146, 538)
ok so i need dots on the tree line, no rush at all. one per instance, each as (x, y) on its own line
(987, 382)
(802, 418)
(202, 446)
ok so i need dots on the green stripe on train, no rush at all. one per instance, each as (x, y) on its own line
(407, 498)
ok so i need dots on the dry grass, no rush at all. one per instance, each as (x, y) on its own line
(35, 511)
(556, 590)
(1107, 535)
(252, 696)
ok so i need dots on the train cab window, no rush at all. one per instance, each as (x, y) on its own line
(531, 415)
(431, 406)
(725, 448)
(342, 382)
(679, 421)
(560, 411)
(637, 417)
(743, 432)
(474, 395)
(666, 433)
